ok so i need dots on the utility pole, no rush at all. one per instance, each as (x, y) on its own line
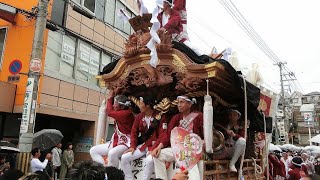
(31, 95)
(280, 64)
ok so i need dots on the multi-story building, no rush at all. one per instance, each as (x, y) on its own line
(82, 37)
(311, 103)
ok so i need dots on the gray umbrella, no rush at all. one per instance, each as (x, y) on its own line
(46, 138)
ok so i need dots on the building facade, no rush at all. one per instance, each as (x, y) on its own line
(82, 36)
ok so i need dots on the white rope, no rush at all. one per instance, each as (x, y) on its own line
(266, 144)
(245, 124)
(257, 168)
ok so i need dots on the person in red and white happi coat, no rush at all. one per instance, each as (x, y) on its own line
(149, 125)
(173, 20)
(297, 171)
(118, 109)
(235, 143)
(191, 121)
(276, 166)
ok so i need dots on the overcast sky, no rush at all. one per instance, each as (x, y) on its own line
(289, 27)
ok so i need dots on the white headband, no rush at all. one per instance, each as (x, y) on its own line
(295, 163)
(127, 103)
(234, 110)
(192, 101)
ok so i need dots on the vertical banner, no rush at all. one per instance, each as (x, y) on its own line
(27, 106)
(265, 104)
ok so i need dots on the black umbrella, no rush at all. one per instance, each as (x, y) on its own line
(7, 147)
(46, 138)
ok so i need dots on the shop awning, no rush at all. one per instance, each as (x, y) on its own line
(307, 108)
(7, 13)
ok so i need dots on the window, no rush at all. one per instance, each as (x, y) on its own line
(90, 5)
(60, 53)
(110, 11)
(87, 4)
(58, 9)
(100, 6)
(308, 98)
(127, 26)
(119, 24)
(88, 63)
(3, 33)
(74, 58)
(105, 60)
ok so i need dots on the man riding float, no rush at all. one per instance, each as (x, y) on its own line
(186, 119)
(235, 143)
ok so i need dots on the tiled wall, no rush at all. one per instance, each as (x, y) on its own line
(96, 31)
(72, 100)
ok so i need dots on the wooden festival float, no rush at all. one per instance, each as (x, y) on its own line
(181, 71)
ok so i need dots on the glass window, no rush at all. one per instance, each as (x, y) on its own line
(83, 61)
(77, 1)
(67, 56)
(88, 63)
(127, 25)
(60, 53)
(94, 65)
(3, 33)
(57, 14)
(53, 52)
(100, 5)
(105, 60)
(110, 12)
(90, 5)
(118, 21)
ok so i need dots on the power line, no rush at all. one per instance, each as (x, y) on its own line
(249, 30)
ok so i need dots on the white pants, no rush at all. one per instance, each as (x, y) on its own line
(114, 153)
(166, 154)
(127, 158)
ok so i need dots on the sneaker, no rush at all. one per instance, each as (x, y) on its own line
(232, 168)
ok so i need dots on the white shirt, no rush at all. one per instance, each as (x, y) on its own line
(165, 19)
(37, 165)
(56, 156)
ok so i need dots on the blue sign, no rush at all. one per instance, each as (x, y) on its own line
(15, 67)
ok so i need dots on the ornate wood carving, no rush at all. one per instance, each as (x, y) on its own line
(188, 84)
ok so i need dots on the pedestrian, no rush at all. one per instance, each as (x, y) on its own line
(49, 170)
(144, 137)
(308, 163)
(187, 119)
(56, 159)
(87, 170)
(36, 164)
(118, 108)
(67, 161)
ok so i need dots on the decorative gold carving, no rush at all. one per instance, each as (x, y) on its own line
(163, 106)
(125, 73)
(144, 62)
(181, 67)
(211, 74)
